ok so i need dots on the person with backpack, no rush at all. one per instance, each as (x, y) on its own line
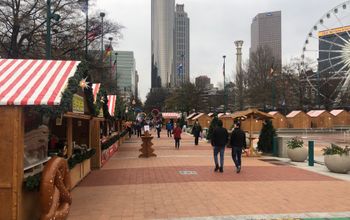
(219, 140)
(238, 143)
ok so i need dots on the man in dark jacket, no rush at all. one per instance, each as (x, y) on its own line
(196, 131)
(218, 141)
(237, 142)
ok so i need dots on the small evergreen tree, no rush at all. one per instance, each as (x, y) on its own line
(266, 137)
(212, 126)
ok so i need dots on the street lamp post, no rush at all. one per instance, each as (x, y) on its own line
(225, 98)
(50, 16)
(110, 57)
(116, 72)
(102, 15)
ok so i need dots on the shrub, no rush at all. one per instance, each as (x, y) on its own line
(335, 149)
(295, 142)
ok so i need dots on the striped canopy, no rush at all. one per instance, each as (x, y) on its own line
(34, 82)
(95, 90)
(170, 115)
(112, 99)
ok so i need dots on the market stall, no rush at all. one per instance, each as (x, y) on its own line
(321, 119)
(298, 119)
(279, 121)
(341, 118)
(32, 91)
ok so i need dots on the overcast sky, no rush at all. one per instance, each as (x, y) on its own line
(214, 26)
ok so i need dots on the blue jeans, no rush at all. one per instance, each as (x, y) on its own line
(218, 149)
(236, 156)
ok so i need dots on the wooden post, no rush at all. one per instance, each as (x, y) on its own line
(11, 162)
(95, 143)
(70, 136)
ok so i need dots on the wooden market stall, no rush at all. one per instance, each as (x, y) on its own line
(227, 121)
(203, 119)
(250, 117)
(279, 120)
(298, 119)
(23, 145)
(167, 116)
(251, 124)
(321, 119)
(190, 121)
(341, 117)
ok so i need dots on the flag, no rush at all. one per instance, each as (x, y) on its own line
(180, 69)
(84, 6)
(108, 51)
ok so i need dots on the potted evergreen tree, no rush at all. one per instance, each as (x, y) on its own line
(296, 150)
(337, 159)
(266, 137)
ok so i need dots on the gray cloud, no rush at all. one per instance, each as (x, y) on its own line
(215, 25)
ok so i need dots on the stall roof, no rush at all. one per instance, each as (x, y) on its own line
(293, 114)
(198, 116)
(273, 113)
(170, 115)
(95, 90)
(315, 113)
(191, 116)
(211, 114)
(34, 82)
(336, 112)
(112, 99)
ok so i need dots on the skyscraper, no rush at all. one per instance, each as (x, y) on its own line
(162, 35)
(182, 47)
(266, 31)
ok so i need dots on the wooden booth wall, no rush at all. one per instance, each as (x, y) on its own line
(342, 119)
(256, 125)
(279, 121)
(301, 120)
(324, 120)
(227, 122)
(204, 121)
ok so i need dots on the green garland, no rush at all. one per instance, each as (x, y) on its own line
(105, 145)
(32, 183)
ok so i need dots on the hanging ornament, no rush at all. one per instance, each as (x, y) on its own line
(84, 84)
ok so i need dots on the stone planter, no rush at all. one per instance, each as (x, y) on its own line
(337, 163)
(297, 154)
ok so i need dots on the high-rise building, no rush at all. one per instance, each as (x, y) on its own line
(202, 82)
(181, 47)
(126, 73)
(266, 31)
(162, 36)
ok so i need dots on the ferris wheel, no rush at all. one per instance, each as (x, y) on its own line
(326, 56)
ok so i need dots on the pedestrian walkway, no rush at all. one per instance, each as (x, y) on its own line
(181, 184)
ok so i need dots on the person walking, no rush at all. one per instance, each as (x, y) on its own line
(159, 128)
(177, 135)
(237, 142)
(196, 131)
(138, 129)
(169, 128)
(219, 140)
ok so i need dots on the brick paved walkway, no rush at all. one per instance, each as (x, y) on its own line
(131, 188)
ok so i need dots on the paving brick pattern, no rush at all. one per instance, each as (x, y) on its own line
(131, 188)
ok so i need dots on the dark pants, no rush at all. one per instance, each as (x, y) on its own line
(138, 133)
(196, 140)
(236, 156)
(169, 133)
(177, 143)
(218, 149)
(130, 132)
(158, 133)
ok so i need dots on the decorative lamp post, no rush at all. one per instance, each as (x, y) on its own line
(50, 16)
(225, 98)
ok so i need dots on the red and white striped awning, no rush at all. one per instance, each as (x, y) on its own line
(95, 90)
(34, 82)
(170, 115)
(112, 99)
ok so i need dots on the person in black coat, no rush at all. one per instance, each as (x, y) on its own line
(219, 140)
(237, 142)
(196, 131)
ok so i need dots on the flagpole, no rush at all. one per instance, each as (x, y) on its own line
(86, 29)
(225, 98)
